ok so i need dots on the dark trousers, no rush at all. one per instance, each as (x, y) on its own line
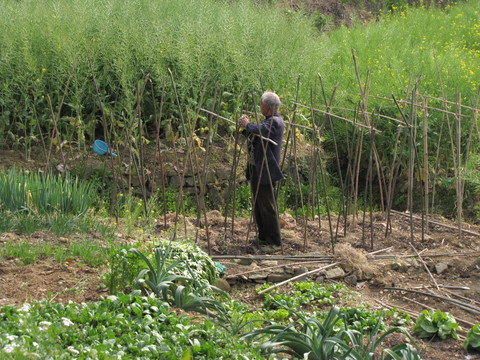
(265, 210)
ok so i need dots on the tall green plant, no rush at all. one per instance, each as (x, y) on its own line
(44, 194)
(304, 338)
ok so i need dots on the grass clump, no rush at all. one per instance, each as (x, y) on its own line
(22, 191)
(32, 202)
(90, 252)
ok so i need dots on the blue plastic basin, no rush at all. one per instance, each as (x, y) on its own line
(101, 148)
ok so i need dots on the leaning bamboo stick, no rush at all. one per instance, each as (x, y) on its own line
(429, 107)
(438, 223)
(393, 257)
(462, 305)
(327, 112)
(233, 122)
(297, 277)
(425, 266)
(468, 323)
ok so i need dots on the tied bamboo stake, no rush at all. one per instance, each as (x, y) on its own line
(425, 159)
(364, 98)
(339, 170)
(200, 198)
(187, 156)
(201, 205)
(158, 120)
(55, 121)
(297, 178)
(109, 141)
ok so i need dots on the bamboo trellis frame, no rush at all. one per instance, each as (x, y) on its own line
(362, 126)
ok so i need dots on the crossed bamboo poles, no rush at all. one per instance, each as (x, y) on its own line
(360, 128)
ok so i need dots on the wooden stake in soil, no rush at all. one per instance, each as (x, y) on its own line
(425, 159)
(158, 148)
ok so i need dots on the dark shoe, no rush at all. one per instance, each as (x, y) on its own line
(270, 248)
(258, 242)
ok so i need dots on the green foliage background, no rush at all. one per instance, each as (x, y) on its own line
(241, 44)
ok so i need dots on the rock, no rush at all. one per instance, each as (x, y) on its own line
(441, 267)
(210, 177)
(222, 284)
(320, 279)
(268, 263)
(351, 279)
(258, 278)
(415, 263)
(278, 277)
(190, 181)
(335, 273)
(174, 181)
(223, 174)
(300, 270)
(395, 266)
(244, 262)
(400, 266)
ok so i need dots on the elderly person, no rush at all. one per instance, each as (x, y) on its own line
(263, 169)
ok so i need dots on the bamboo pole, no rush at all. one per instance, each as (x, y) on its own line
(55, 132)
(436, 166)
(201, 205)
(339, 169)
(109, 141)
(158, 148)
(364, 97)
(425, 160)
(465, 306)
(460, 173)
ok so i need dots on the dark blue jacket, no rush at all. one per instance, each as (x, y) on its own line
(272, 127)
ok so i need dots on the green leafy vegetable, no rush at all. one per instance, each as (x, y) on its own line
(436, 323)
(473, 338)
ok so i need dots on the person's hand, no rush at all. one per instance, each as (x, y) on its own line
(243, 121)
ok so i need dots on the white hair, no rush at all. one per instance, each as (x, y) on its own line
(271, 100)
